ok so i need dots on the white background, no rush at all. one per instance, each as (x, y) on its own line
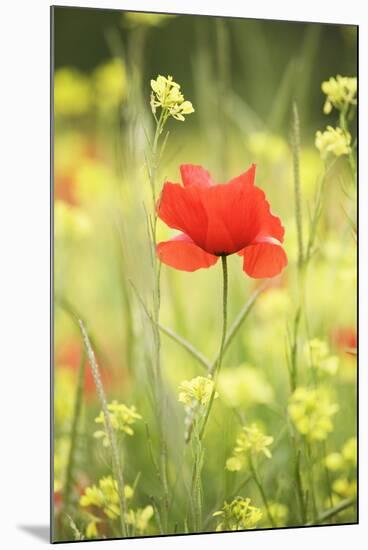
(24, 271)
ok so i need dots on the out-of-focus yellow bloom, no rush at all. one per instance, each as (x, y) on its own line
(251, 440)
(345, 488)
(340, 91)
(279, 513)
(70, 222)
(140, 518)
(146, 19)
(122, 418)
(91, 529)
(334, 462)
(196, 391)
(167, 96)
(333, 141)
(61, 454)
(72, 93)
(238, 515)
(311, 411)
(244, 386)
(317, 354)
(64, 396)
(350, 452)
(110, 84)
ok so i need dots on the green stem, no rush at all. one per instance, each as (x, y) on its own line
(159, 389)
(216, 367)
(311, 481)
(261, 490)
(344, 505)
(297, 186)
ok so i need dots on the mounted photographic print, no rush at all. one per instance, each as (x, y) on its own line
(204, 216)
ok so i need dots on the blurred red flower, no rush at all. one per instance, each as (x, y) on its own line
(345, 338)
(218, 220)
(70, 356)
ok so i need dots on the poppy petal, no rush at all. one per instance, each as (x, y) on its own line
(180, 252)
(246, 177)
(264, 258)
(192, 174)
(182, 208)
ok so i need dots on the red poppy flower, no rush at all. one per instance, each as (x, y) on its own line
(218, 220)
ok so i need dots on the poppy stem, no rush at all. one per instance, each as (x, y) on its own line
(216, 367)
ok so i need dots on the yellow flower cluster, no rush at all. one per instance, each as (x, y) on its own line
(196, 391)
(251, 440)
(105, 497)
(333, 141)
(139, 518)
(340, 91)
(344, 463)
(238, 515)
(317, 353)
(167, 96)
(311, 411)
(122, 418)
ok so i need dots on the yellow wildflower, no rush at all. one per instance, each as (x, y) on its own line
(105, 496)
(344, 488)
(140, 518)
(340, 91)
(279, 513)
(122, 418)
(333, 141)
(350, 452)
(196, 391)
(91, 529)
(238, 515)
(166, 95)
(318, 355)
(311, 411)
(251, 440)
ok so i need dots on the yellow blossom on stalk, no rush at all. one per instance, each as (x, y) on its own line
(238, 515)
(72, 93)
(105, 496)
(311, 411)
(317, 353)
(91, 529)
(251, 440)
(196, 391)
(340, 91)
(166, 95)
(110, 84)
(122, 418)
(333, 141)
(140, 518)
